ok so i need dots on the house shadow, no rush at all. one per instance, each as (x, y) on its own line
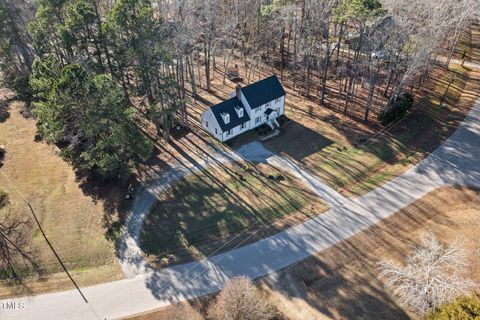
(297, 141)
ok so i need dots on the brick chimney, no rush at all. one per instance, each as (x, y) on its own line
(238, 89)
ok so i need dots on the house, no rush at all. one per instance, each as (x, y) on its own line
(259, 103)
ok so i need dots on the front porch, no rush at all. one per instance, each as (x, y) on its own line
(271, 116)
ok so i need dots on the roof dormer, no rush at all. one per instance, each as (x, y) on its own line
(225, 117)
(239, 111)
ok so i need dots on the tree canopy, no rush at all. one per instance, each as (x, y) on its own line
(91, 119)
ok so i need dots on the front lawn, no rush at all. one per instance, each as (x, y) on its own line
(222, 208)
(343, 282)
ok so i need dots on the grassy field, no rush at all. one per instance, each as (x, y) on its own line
(344, 154)
(72, 220)
(224, 207)
(343, 282)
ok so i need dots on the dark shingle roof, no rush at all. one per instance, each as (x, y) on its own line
(228, 106)
(263, 91)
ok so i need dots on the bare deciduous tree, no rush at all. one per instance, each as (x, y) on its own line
(13, 244)
(433, 274)
(241, 300)
(185, 312)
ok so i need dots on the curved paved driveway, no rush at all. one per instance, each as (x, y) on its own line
(457, 161)
(129, 252)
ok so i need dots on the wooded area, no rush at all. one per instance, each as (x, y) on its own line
(91, 71)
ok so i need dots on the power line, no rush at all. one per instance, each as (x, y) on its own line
(55, 252)
(48, 241)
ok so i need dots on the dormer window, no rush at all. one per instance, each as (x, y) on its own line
(225, 117)
(239, 111)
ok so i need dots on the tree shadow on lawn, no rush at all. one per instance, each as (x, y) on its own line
(323, 288)
(4, 109)
(426, 125)
(334, 293)
(112, 197)
(210, 216)
(415, 137)
(343, 281)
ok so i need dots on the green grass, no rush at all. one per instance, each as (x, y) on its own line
(202, 210)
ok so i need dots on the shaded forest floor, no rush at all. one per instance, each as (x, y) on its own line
(343, 282)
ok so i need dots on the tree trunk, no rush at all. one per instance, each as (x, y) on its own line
(452, 50)
(207, 65)
(282, 53)
(308, 74)
(373, 84)
(191, 72)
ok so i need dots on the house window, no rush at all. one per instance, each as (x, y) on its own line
(216, 131)
(206, 124)
(242, 126)
(257, 120)
(267, 105)
(229, 132)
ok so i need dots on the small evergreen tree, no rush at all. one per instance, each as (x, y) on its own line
(398, 109)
